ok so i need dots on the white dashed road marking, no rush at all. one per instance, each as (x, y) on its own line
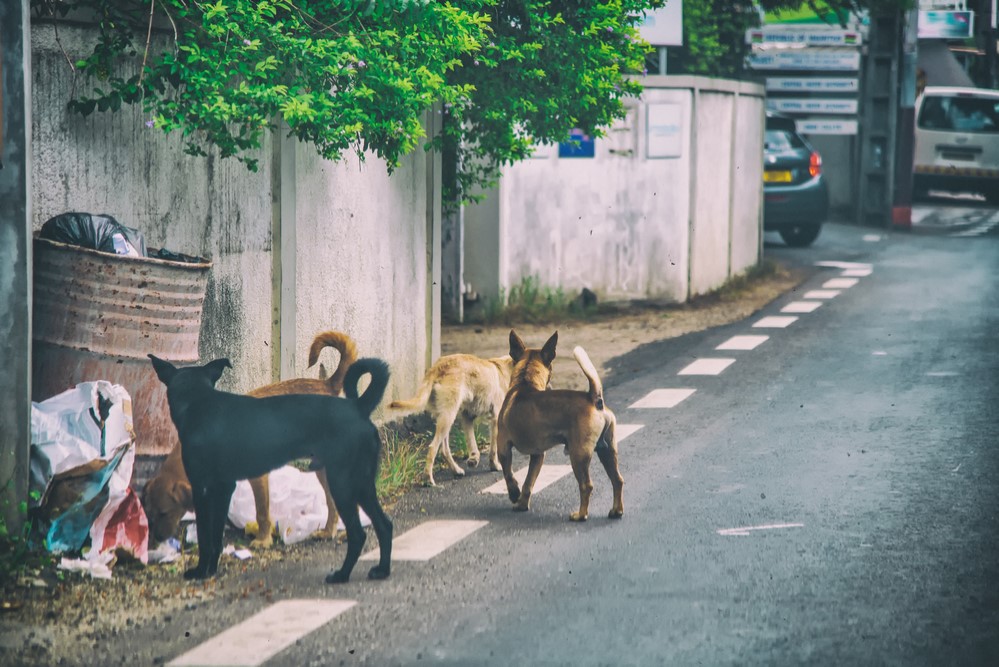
(549, 475)
(264, 635)
(706, 367)
(822, 294)
(743, 343)
(801, 307)
(844, 265)
(429, 539)
(840, 283)
(622, 431)
(857, 273)
(663, 398)
(746, 530)
(775, 322)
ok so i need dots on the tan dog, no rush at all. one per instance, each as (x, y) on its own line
(534, 420)
(167, 496)
(466, 387)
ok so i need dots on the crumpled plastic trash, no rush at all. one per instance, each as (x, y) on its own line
(82, 453)
(241, 554)
(96, 232)
(165, 552)
(298, 505)
(97, 566)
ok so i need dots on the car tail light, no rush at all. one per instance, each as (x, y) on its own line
(815, 164)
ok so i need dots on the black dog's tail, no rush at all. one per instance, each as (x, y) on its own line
(372, 396)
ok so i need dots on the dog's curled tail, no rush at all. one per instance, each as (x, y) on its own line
(372, 396)
(590, 371)
(343, 344)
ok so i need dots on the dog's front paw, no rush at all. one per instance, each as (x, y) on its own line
(522, 505)
(323, 534)
(577, 516)
(514, 493)
(472, 461)
(337, 577)
(378, 572)
(459, 472)
(615, 514)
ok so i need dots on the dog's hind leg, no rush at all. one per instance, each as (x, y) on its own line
(494, 463)
(607, 452)
(329, 532)
(504, 454)
(383, 530)
(345, 495)
(581, 468)
(533, 468)
(441, 437)
(468, 428)
(262, 501)
(203, 520)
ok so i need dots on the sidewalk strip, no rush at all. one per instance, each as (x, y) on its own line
(622, 431)
(707, 367)
(822, 294)
(663, 398)
(840, 283)
(262, 636)
(743, 343)
(775, 322)
(801, 307)
(428, 539)
(549, 475)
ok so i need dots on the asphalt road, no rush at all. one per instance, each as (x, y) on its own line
(829, 498)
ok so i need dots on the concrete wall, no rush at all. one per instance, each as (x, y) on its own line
(626, 225)
(15, 260)
(359, 246)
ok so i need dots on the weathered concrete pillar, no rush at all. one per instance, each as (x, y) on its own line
(15, 258)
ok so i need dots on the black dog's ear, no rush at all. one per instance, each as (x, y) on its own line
(517, 346)
(548, 351)
(164, 369)
(215, 368)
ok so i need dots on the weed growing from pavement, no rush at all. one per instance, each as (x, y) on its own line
(529, 301)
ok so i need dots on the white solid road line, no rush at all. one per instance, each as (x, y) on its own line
(662, 398)
(775, 322)
(264, 635)
(428, 539)
(801, 307)
(549, 475)
(707, 367)
(748, 529)
(840, 283)
(743, 343)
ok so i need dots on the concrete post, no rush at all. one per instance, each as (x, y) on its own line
(15, 258)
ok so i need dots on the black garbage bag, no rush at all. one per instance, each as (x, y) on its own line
(97, 232)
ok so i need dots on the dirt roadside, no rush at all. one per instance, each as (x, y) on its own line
(613, 334)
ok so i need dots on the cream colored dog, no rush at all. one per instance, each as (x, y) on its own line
(466, 387)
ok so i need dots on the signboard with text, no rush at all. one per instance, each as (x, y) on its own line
(664, 26)
(818, 85)
(826, 126)
(798, 37)
(945, 25)
(805, 59)
(809, 105)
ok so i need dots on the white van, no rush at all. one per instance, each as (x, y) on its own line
(957, 141)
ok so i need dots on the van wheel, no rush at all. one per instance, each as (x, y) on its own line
(800, 236)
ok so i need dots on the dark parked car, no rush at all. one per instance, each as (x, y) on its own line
(795, 197)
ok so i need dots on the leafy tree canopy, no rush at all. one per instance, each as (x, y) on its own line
(348, 74)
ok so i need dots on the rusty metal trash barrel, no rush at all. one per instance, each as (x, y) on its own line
(97, 315)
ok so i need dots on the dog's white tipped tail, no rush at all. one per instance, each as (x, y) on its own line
(590, 371)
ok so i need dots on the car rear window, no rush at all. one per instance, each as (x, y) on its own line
(781, 140)
(959, 114)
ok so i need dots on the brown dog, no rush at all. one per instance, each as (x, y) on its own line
(167, 496)
(534, 420)
(465, 386)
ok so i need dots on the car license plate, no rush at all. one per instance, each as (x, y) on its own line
(776, 177)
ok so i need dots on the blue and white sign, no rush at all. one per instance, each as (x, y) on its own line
(664, 130)
(579, 145)
(806, 59)
(817, 84)
(664, 26)
(945, 25)
(809, 105)
(826, 126)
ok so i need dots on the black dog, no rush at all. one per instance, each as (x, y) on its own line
(227, 437)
